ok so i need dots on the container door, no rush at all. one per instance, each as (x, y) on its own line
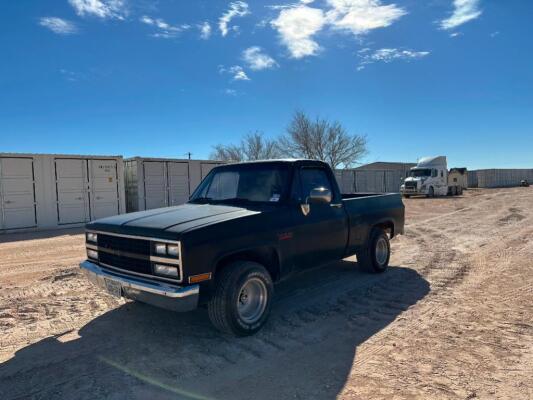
(178, 182)
(103, 182)
(155, 185)
(72, 191)
(17, 193)
(206, 167)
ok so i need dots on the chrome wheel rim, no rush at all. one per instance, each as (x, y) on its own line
(252, 300)
(382, 251)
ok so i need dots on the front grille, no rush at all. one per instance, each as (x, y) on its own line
(410, 185)
(129, 254)
(137, 246)
(141, 266)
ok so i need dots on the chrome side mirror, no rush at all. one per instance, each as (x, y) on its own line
(319, 195)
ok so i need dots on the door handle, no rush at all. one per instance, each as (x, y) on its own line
(336, 205)
(8, 202)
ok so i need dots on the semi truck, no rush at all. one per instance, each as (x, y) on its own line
(246, 227)
(431, 177)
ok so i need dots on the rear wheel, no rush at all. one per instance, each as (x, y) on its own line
(376, 255)
(242, 298)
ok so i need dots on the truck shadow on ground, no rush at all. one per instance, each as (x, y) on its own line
(135, 351)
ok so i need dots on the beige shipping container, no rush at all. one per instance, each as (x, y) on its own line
(47, 191)
(162, 182)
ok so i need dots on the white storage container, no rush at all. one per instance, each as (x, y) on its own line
(162, 182)
(44, 191)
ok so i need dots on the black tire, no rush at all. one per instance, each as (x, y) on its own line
(406, 196)
(368, 258)
(224, 307)
(431, 192)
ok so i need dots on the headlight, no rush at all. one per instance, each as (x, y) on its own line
(166, 270)
(92, 237)
(161, 249)
(173, 250)
(92, 254)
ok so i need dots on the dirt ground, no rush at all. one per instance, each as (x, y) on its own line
(452, 319)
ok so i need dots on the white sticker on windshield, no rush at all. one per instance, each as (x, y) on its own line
(275, 197)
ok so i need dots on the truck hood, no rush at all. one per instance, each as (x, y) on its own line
(171, 221)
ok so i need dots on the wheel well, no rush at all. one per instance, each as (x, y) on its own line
(387, 226)
(266, 256)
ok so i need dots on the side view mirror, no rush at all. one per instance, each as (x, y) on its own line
(319, 195)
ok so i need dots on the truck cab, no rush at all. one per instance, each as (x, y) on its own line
(431, 178)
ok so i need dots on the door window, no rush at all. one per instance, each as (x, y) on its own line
(312, 178)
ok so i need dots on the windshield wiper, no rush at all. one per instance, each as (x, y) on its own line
(201, 200)
(236, 200)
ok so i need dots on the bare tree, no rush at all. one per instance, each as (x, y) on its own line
(253, 146)
(322, 140)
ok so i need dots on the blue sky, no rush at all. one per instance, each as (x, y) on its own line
(161, 78)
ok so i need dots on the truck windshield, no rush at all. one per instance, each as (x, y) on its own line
(420, 172)
(244, 183)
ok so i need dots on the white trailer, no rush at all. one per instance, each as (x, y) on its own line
(430, 177)
(162, 182)
(46, 191)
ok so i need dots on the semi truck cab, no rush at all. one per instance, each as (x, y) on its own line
(430, 177)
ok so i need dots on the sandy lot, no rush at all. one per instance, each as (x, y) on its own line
(452, 319)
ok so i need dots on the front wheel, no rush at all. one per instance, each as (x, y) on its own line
(431, 192)
(242, 298)
(376, 255)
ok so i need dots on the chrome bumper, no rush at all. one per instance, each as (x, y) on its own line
(175, 298)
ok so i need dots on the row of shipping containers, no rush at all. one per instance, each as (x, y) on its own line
(47, 191)
(495, 178)
(377, 181)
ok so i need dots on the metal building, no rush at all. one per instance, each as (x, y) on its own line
(43, 191)
(162, 182)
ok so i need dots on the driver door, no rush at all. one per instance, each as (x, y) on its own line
(321, 235)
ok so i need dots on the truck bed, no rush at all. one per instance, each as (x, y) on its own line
(365, 210)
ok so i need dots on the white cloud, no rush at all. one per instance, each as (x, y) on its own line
(464, 11)
(100, 8)
(296, 27)
(298, 23)
(164, 29)
(494, 34)
(205, 30)
(236, 9)
(257, 59)
(230, 92)
(387, 55)
(455, 34)
(362, 16)
(238, 73)
(58, 25)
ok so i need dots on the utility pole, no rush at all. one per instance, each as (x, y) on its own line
(189, 154)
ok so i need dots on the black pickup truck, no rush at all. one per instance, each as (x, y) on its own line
(245, 227)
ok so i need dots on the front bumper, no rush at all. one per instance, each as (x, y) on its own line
(175, 298)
